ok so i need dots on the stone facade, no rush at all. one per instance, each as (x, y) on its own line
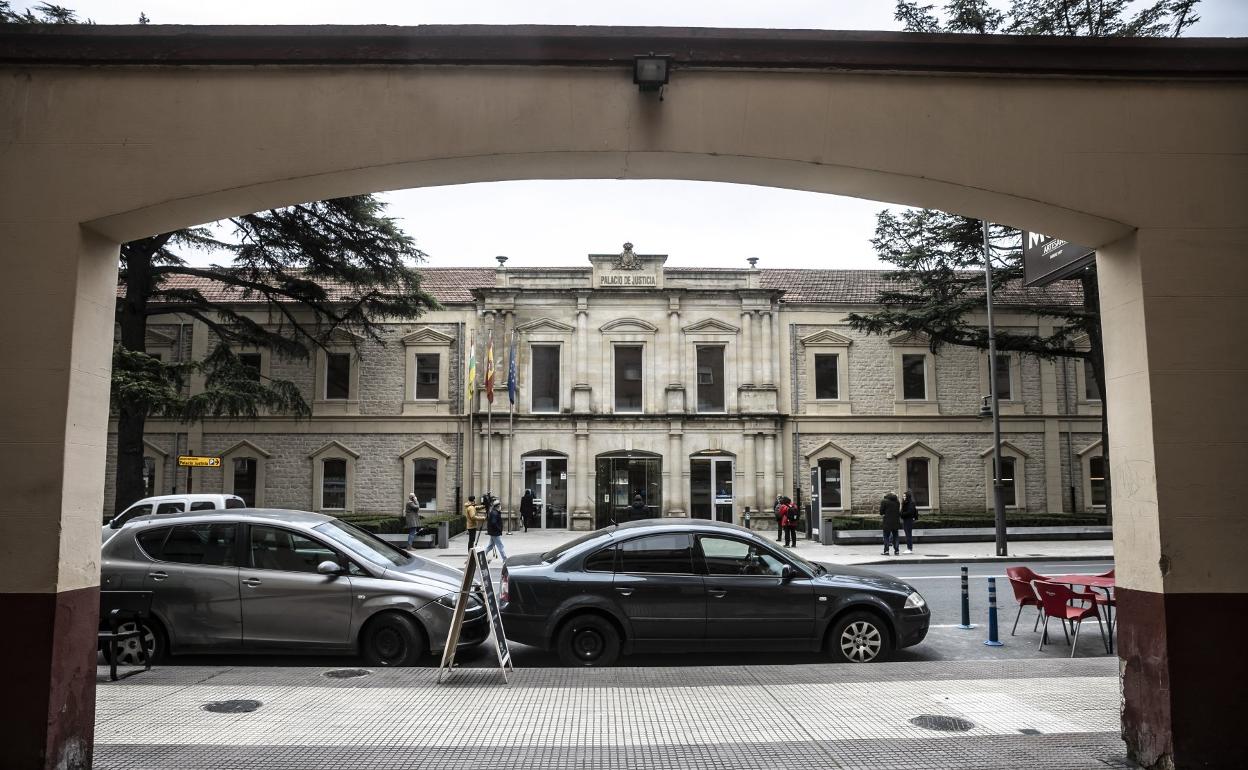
(590, 449)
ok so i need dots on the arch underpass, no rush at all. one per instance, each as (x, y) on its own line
(1136, 147)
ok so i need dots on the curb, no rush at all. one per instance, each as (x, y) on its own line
(983, 559)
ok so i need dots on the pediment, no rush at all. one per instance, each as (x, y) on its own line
(826, 337)
(1005, 446)
(425, 446)
(1095, 445)
(342, 336)
(628, 325)
(245, 446)
(710, 325)
(911, 339)
(829, 448)
(428, 336)
(915, 447)
(545, 325)
(155, 339)
(335, 447)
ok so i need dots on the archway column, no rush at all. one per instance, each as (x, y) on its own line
(55, 380)
(1171, 301)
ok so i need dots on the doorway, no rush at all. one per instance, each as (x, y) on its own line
(548, 478)
(710, 488)
(622, 477)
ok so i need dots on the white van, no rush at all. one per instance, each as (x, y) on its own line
(170, 504)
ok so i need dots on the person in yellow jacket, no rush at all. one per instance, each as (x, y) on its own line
(472, 520)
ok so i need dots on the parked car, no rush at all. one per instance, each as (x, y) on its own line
(256, 581)
(699, 586)
(162, 504)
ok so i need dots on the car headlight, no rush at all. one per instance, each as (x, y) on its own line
(915, 601)
(448, 601)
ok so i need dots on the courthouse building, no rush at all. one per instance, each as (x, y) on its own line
(703, 391)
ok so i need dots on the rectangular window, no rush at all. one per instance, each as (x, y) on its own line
(914, 377)
(1009, 496)
(917, 481)
(545, 379)
(1091, 390)
(427, 374)
(425, 481)
(1004, 391)
(245, 479)
(830, 483)
(334, 484)
(825, 376)
(1096, 474)
(252, 362)
(628, 378)
(710, 378)
(338, 376)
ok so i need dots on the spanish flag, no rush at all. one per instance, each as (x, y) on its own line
(489, 369)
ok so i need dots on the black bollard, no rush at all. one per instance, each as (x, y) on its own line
(993, 641)
(966, 602)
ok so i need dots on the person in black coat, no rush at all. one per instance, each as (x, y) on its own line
(637, 510)
(528, 510)
(890, 512)
(909, 512)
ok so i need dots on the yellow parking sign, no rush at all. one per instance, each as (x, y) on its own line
(191, 461)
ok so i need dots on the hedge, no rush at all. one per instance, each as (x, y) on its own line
(980, 519)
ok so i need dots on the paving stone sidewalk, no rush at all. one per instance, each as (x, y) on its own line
(1003, 714)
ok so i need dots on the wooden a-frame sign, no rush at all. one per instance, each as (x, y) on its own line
(477, 561)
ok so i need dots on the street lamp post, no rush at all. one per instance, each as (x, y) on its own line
(998, 499)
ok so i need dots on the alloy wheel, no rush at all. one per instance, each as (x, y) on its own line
(127, 652)
(861, 641)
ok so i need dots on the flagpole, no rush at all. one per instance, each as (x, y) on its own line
(512, 388)
(489, 410)
(470, 393)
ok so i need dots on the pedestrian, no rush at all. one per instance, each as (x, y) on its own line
(909, 513)
(411, 519)
(528, 511)
(890, 512)
(791, 516)
(779, 524)
(472, 518)
(494, 528)
(637, 510)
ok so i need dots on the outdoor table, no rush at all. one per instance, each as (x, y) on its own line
(1102, 582)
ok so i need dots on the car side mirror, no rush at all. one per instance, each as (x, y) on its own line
(328, 567)
(786, 573)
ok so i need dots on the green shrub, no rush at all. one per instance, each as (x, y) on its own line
(980, 519)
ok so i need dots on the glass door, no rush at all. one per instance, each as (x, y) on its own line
(721, 472)
(628, 487)
(700, 484)
(548, 478)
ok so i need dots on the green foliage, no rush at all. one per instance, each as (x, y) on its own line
(43, 13)
(980, 519)
(1092, 18)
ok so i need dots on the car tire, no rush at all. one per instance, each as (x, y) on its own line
(392, 640)
(860, 637)
(153, 640)
(588, 641)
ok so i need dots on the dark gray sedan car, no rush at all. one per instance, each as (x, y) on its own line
(275, 580)
(700, 586)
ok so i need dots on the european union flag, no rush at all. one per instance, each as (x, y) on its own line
(512, 385)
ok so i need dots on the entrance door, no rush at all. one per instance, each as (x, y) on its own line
(548, 478)
(628, 486)
(710, 488)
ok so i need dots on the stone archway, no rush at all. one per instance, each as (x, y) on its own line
(1153, 173)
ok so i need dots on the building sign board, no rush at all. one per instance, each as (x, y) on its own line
(629, 280)
(191, 461)
(1047, 259)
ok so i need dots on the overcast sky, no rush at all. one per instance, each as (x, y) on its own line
(558, 223)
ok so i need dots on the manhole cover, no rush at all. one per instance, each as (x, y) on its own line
(941, 722)
(1029, 731)
(347, 673)
(232, 706)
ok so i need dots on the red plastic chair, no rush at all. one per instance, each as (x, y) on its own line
(1024, 573)
(1055, 599)
(1107, 600)
(1024, 594)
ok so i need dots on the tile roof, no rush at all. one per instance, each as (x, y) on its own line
(451, 285)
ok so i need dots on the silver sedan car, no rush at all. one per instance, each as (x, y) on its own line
(255, 580)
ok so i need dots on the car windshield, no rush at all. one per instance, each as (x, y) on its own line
(553, 555)
(365, 544)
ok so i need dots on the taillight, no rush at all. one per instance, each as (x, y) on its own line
(502, 587)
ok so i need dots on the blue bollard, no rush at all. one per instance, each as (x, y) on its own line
(966, 602)
(993, 641)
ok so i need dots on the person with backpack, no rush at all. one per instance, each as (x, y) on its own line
(779, 522)
(909, 513)
(890, 513)
(790, 517)
(494, 528)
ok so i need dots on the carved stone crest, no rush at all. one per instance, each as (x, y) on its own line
(627, 259)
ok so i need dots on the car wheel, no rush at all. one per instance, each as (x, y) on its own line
(392, 640)
(860, 637)
(588, 640)
(153, 641)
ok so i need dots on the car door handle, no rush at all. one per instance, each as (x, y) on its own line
(718, 593)
(625, 591)
(159, 575)
(253, 582)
